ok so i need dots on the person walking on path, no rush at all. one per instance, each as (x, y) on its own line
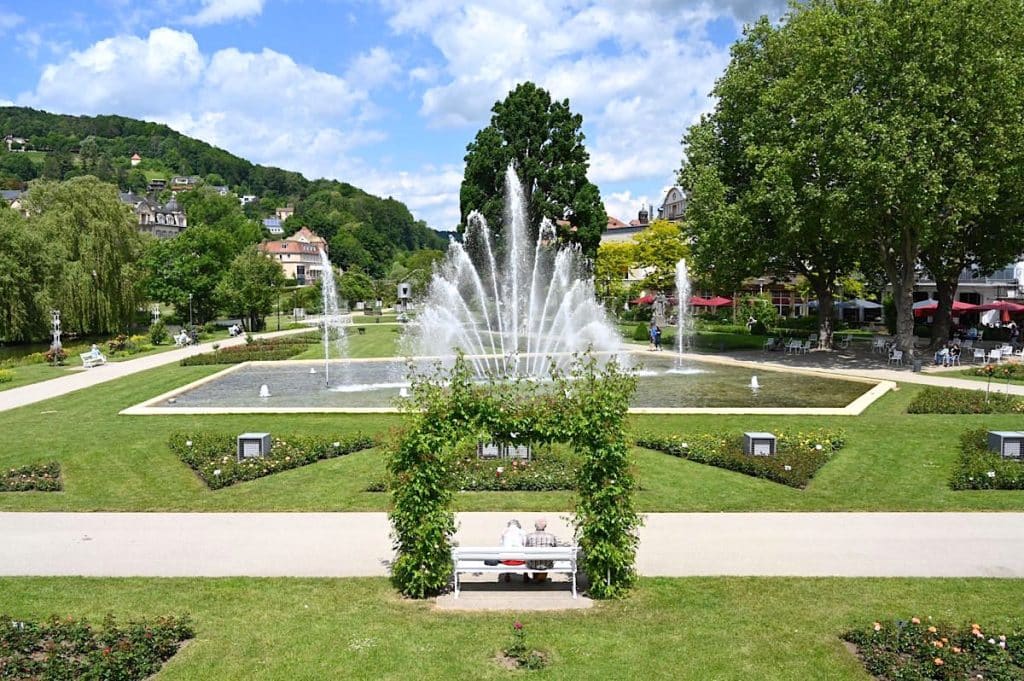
(657, 337)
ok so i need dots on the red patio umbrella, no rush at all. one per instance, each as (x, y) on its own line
(1002, 306)
(719, 301)
(925, 308)
(644, 300)
(697, 301)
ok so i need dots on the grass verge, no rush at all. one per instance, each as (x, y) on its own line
(700, 628)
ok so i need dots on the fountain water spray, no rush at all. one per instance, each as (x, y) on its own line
(684, 320)
(333, 320)
(520, 318)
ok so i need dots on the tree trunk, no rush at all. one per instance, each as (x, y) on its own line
(946, 290)
(903, 297)
(826, 315)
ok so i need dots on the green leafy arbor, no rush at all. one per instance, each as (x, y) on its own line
(584, 406)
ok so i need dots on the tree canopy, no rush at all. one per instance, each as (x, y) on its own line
(544, 141)
(866, 132)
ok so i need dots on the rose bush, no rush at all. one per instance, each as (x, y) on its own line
(39, 477)
(922, 650)
(978, 468)
(932, 400)
(799, 455)
(260, 349)
(214, 458)
(67, 648)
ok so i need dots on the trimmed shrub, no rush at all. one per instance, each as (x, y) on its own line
(65, 648)
(923, 651)
(6, 375)
(213, 456)
(211, 327)
(933, 400)
(158, 332)
(642, 333)
(1010, 370)
(37, 477)
(548, 470)
(798, 458)
(979, 468)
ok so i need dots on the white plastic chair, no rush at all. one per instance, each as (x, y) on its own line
(794, 347)
(953, 360)
(812, 340)
(967, 344)
(995, 356)
(769, 344)
(845, 343)
(979, 353)
(806, 347)
(878, 345)
(896, 357)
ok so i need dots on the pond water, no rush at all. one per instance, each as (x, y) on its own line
(379, 384)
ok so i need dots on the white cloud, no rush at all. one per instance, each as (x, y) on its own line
(263, 105)
(374, 69)
(431, 192)
(220, 11)
(6, 102)
(639, 71)
(9, 20)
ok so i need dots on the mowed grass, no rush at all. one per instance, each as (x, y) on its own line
(892, 461)
(700, 628)
(376, 341)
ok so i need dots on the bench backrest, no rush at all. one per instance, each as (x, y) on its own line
(517, 553)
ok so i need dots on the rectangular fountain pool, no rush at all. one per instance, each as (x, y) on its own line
(377, 385)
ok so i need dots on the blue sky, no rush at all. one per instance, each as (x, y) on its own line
(384, 94)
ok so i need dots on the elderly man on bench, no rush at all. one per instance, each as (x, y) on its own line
(93, 358)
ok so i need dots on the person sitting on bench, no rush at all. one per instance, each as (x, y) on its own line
(540, 537)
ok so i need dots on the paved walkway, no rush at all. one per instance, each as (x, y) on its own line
(357, 544)
(86, 378)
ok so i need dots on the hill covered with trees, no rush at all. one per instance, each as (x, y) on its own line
(364, 231)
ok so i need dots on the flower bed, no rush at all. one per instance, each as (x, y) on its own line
(798, 458)
(978, 468)
(922, 650)
(933, 400)
(260, 350)
(213, 455)
(72, 649)
(39, 477)
(1011, 370)
(549, 470)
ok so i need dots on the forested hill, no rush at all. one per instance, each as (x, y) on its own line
(364, 230)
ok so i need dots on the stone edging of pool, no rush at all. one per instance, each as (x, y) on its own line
(854, 408)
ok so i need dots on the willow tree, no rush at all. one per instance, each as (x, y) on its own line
(764, 185)
(24, 264)
(95, 277)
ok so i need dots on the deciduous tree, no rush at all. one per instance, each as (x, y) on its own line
(251, 287)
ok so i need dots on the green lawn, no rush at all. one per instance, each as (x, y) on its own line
(703, 629)
(892, 461)
(375, 341)
(34, 373)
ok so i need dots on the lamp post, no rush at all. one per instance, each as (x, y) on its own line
(190, 310)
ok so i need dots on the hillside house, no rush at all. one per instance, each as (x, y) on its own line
(299, 255)
(162, 221)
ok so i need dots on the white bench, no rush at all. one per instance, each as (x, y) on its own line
(92, 359)
(474, 559)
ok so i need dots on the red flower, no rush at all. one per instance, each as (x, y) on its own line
(517, 625)
(106, 651)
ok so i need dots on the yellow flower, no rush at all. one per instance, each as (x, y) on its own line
(932, 630)
(914, 620)
(938, 662)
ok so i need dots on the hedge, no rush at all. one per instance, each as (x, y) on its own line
(934, 400)
(39, 477)
(66, 648)
(213, 456)
(978, 468)
(798, 457)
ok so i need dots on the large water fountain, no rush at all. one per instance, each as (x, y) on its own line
(515, 309)
(516, 304)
